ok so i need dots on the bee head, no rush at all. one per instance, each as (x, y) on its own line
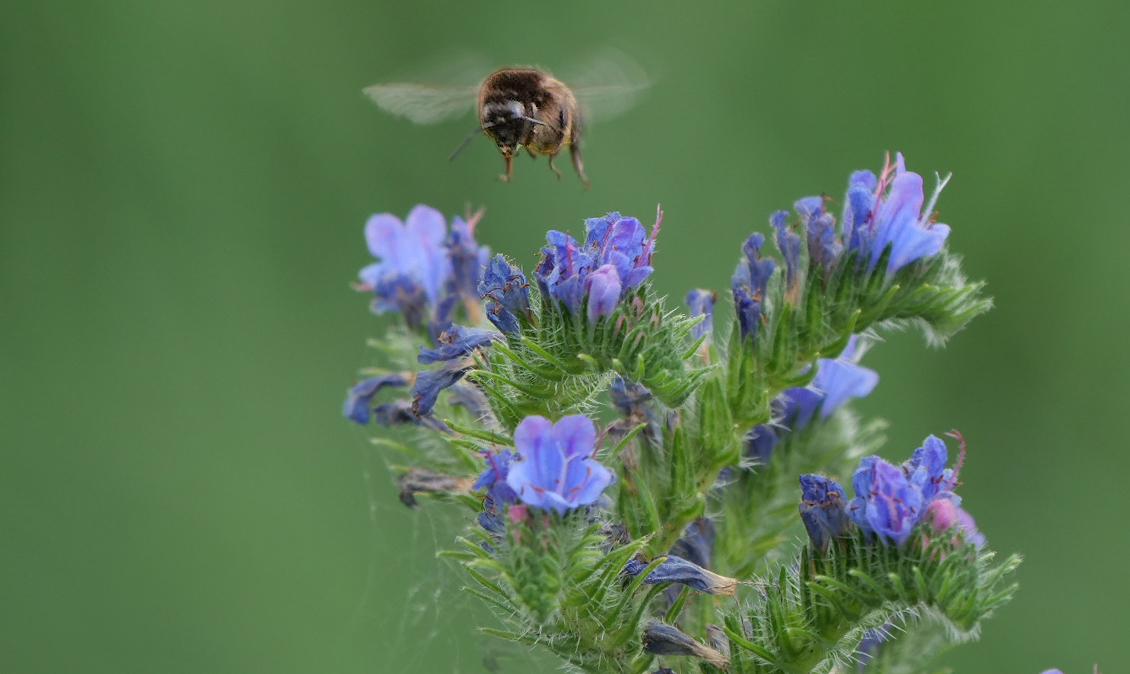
(508, 124)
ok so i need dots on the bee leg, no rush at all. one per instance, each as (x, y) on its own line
(553, 168)
(509, 159)
(531, 153)
(579, 163)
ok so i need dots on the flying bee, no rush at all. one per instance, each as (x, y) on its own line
(523, 107)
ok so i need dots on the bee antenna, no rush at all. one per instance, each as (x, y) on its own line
(466, 141)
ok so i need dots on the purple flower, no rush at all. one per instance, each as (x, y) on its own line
(425, 392)
(890, 500)
(555, 469)
(886, 503)
(701, 303)
(493, 479)
(823, 509)
(467, 258)
(359, 400)
(414, 263)
(507, 293)
(455, 342)
(788, 243)
(841, 379)
(858, 203)
(837, 380)
(603, 286)
(943, 514)
(896, 218)
(926, 468)
(749, 284)
(823, 249)
(617, 249)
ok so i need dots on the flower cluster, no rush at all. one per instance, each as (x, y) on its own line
(615, 259)
(610, 544)
(890, 501)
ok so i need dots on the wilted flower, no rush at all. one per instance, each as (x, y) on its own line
(399, 412)
(457, 341)
(555, 469)
(675, 569)
(616, 258)
(661, 639)
(359, 400)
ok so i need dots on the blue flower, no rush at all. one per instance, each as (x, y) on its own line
(701, 303)
(823, 509)
(891, 500)
(841, 379)
(414, 262)
(788, 242)
(455, 342)
(617, 250)
(837, 380)
(749, 284)
(926, 468)
(467, 259)
(507, 293)
(493, 479)
(425, 392)
(896, 219)
(603, 286)
(886, 503)
(555, 469)
(823, 249)
(359, 400)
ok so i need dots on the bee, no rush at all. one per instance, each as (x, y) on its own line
(521, 107)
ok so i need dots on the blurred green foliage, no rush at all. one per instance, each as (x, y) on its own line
(182, 190)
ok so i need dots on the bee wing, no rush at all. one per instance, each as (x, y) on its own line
(607, 84)
(422, 103)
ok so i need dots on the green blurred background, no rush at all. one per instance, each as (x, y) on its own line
(182, 192)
